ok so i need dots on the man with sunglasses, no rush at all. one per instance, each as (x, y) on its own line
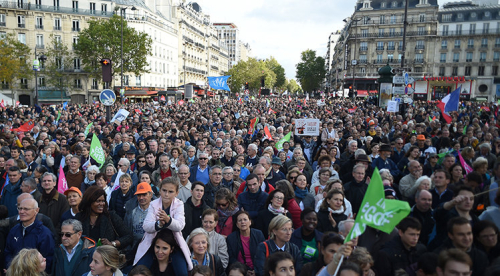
(74, 255)
(29, 233)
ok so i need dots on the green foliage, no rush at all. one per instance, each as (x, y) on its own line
(15, 63)
(102, 39)
(292, 86)
(252, 71)
(58, 66)
(278, 70)
(310, 71)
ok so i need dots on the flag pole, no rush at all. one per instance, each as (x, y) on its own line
(338, 266)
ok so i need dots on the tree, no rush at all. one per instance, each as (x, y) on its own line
(278, 70)
(102, 39)
(250, 71)
(58, 65)
(14, 61)
(292, 86)
(310, 71)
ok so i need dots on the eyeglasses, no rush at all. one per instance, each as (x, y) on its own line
(279, 198)
(181, 173)
(67, 235)
(293, 177)
(237, 170)
(216, 174)
(222, 205)
(120, 165)
(141, 161)
(20, 209)
(228, 173)
(203, 158)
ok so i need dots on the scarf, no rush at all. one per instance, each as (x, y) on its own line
(339, 211)
(88, 182)
(48, 197)
(224, 215)
(299, 193)
(280, 211)
(206, 259)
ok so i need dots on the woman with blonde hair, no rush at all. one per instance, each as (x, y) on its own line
(106, 261)
(28, 262)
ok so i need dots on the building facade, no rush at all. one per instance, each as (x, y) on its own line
(330, 53)
(467, 52)
(229, 34)
(245, 51)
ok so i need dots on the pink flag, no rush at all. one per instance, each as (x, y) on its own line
(62, 184)
(2, 104)
(467, 168)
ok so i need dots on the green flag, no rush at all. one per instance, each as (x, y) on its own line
(376, 211)
(286, 138)
(430, 119)
(58, 116)
(96, 151)
(442, 155)
(219, 109)
(87, 129)
(465, 130)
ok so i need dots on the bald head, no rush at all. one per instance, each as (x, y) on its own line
(23, 196)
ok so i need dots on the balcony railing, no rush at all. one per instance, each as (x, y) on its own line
(77, 85)
(47, 8)
(457, 47)
(40, 27)
(391, 48)
(419, 47)
(94, 87)
(484, 45)
(392, 34)
(418, 61)
(471, 32)
(40, 46)
(57, 28)
(470, 46)
(444, 47)
(19, 25)
(2, 24)
(75, 29)
(380, 48)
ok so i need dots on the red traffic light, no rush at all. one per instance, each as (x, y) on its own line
(105, 61)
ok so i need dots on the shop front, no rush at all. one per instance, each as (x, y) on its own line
(439, 87)
(137, 94)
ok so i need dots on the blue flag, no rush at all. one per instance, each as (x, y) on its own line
(219, 82)
(452, 100)
(65, 104)
(38, 109)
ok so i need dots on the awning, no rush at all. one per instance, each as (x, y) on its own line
(52, 95)
(362, 93)
(373, 91)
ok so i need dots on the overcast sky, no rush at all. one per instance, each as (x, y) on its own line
(283, 28)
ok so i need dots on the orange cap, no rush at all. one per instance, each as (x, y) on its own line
(143, 188)
(421, 137)
(73, 189)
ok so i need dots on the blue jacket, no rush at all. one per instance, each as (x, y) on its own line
(82, 264)
(193, 170)
(36, 236)
(252, 203)
(261, 256)
(9, 197)
(387, 164)
(234, 245)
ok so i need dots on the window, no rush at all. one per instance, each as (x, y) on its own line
(75, 6)
(442, 57)
(21, 21)
(484, 43)
(441, 71)
(394, 4)
(420, 45)
(382, 19)
(24, 83)
(138, 80)
(460, 16)
(76, 26)
(392, 32)
(457, 43)
(447, 17)
(459, 29)
(59, 63)
(494, 70)
(56, 5)
(362, 58)
(57, 24)
(444, 44)
(95, 84)
(468, 57)
(92, 8)
(380, 45)
(393, 19)
(472, 28)
(125, 80)
(482, 56)
(421, 31)
(487, 14)
(104, 8)
(367, 5)
(421, 18)
(470, 43)
(445, 29)
(41, 81)
(39, 22)
(39, 41)
(456, 57)
(76, 63)
(364, 32)
(78, 83)
(75, 41)
(366, 20)
(486, 28)
(379, 59)
(391, 45)
(363, 46)
(467, 70)
(454, 71)
(381, 32)
(2, 19)
(21, 37)
(390, 58)
(419, 69)
(38, 4)
(419, 58)
(480, 71)
(496, 56)
(473, 15)
(497, 42)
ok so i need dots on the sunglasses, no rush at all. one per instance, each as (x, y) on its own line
(67, 235)
(222, 205)
(203, 158)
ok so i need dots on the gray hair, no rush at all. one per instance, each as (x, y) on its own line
(422, 178)
(352, 141)
(228, 168)
(125, 161)
(204, 154)
(77, 225)
(191, 147)
(342, 224)
(30, 181)
(54, 177)
(215, 167)
(196, 232)
(93, 168)
(485, 145)
(253, 147)
(268, 160)
(359, 166)
(358, 152)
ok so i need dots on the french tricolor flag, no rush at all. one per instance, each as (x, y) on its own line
(450, 103)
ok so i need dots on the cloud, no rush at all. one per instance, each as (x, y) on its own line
(282, 28)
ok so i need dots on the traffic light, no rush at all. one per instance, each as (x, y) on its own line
(107, 69)
(246, 85)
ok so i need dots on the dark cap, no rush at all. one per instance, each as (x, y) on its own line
(363, 158)
(131, 151)
(276, 161)
(385, 147)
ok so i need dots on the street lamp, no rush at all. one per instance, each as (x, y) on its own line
(354, 61)
(36, 67)
(122, 89)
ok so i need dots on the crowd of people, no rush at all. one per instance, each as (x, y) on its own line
(202, 188)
